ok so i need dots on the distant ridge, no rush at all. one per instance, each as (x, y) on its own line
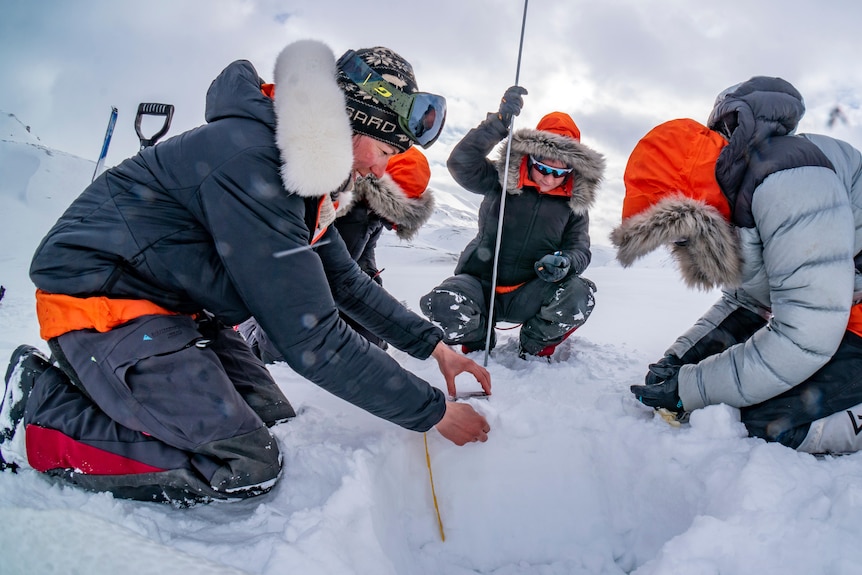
(14, 130)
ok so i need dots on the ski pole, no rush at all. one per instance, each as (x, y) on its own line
(107, 142)
(503, 202)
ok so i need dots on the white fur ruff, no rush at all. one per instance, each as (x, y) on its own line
(313, 133)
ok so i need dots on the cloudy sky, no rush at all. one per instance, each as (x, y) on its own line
(619, 67)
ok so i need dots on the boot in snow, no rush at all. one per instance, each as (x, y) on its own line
(835, 434)
(25, 366)
(546, 351)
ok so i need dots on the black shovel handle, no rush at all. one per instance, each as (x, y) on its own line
(150, 109)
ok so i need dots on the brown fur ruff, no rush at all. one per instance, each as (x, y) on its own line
(387, 199)
(702, 242)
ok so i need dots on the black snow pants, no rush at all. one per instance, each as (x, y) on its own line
(548, 311)
(837, 386)
(162, 408)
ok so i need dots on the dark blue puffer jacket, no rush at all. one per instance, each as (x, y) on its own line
(192, 224)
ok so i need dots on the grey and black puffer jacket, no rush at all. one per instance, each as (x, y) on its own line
(193, 224)
(534, 224)
(796, 205)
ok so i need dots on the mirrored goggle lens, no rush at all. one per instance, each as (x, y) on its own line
(547, 170)
(426, 118)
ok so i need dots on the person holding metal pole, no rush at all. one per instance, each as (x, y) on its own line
(544, 245)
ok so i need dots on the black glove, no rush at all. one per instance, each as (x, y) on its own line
(663, 369)
(552, 267)
(511, 104)
(665, 394)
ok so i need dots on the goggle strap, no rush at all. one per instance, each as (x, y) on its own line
(374, 84)
(396, 100)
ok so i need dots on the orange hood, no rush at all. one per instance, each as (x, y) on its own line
(672, 198)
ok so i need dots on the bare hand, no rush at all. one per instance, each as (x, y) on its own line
(462, 424)
(452, 363)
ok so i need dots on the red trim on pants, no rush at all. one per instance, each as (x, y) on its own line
(50, 449)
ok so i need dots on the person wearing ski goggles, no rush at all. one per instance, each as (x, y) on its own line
(377, 104)
(545, 243)
(237, 221)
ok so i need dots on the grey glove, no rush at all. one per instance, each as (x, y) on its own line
(511, 104)
(552, 267)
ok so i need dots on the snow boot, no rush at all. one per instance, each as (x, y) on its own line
(546, 351)
(835, 434)
(525, 355)
(478, 345)
(25, 366)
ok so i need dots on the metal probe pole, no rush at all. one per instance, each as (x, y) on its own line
(503, 203)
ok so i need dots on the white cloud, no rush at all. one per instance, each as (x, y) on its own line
(618, 67)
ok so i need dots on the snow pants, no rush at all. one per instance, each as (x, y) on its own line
(834, 388)
(787, 418)
(549, 312)
(162, 408)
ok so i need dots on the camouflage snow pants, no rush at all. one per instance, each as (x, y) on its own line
(549, 312)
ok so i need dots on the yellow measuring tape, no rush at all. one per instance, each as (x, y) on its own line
(433, 491)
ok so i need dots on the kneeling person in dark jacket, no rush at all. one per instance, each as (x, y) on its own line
(149, 394)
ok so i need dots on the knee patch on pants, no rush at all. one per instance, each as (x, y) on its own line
(460, 318)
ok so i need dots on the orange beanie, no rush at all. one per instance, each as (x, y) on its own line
(560, 123)
(678, 156)
(410, 170)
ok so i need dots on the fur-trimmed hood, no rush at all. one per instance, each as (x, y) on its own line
(387, 199)
(313, 131)
(673, 199)
(589, 165)
(701, 240)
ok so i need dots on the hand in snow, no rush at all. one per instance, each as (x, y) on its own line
(658, 395)
(452, 363)
(462, 424)
(663, 369)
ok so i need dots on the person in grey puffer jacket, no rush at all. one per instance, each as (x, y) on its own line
(545, 247)
(150, 394)
(775, 218)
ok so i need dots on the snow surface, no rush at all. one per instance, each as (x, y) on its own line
(576, 477)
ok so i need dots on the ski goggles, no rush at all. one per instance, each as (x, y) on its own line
(547, 170)
(420, 114)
